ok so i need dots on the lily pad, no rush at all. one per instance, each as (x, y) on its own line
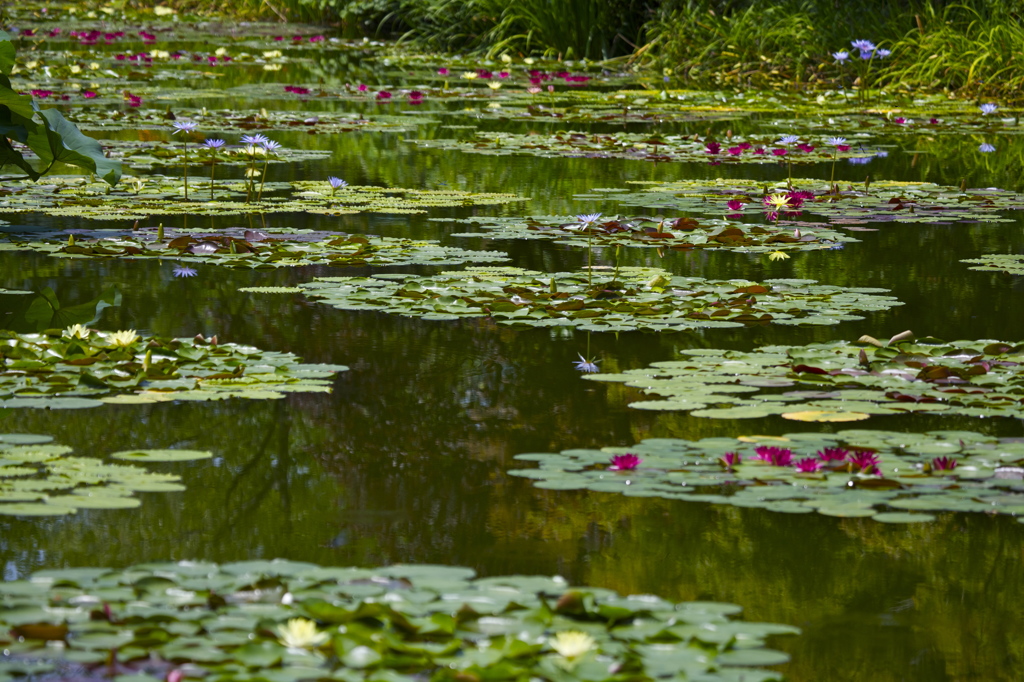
(841, 381)
(601, 300)
(852, 473)
(281, 620)
(38, 478)
(82, 368)
(161, 455)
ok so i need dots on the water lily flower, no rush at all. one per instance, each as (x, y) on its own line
(735, 151)
(270, 145)
(988, 108)
(213, 143)
(831, 454)
(776, 456)
(583, 365)
(776, 201)
(184, 127)
(572, 644)
(494, 85)
(184, 271)
(533, 89)
(336, 184)
(713, 147)
(258, 138)
(300, 633)
(627, 462)
(839, 143)
(806, 148)
(588, 218)
(735, 205)
(443, 71)
(841, 56)
(789, 139)
(943, 464)
(808, 465)
(470, 75)
(76, 331)
(383, 95)
(882, 53)
(362, 87)
(778, 151)
(866, 462)
(89, 94)
(730, 459)
(863, 45)
(778, 255)
(986, 147)
(123, 338)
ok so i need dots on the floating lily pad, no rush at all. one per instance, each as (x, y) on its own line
(646, 147)
(850, 206)
(262, 250)
(40, 479)
(286, 621)
(161, 455)
(838, 380)
(851, 473)
(81, 368)
(1009, 263)
(631, 298)
(153, 195)
(670, 233)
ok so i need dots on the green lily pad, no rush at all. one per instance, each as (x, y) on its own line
(307, 621)
(602, 300)
(853, 473)
(57, 370)
(840, 381)
(161, 455)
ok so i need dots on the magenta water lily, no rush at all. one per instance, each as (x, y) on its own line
(627, 462)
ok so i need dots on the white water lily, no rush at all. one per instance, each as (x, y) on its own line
(77, 331)
(572, 643)
(300, 633)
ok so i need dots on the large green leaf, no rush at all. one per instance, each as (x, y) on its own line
(6, 54)
(62, 142)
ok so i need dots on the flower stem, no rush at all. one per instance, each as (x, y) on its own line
(263, 179)
(213, 166)
(184, 145)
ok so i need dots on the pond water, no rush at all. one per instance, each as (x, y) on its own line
(406, 460)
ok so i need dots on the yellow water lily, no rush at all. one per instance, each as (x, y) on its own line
(777, 201)
(778, 255)
(300, 633)
(470, 75)
(123, 338)
(572, 643)
(494, 85)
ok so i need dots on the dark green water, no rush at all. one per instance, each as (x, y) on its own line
(405, 461)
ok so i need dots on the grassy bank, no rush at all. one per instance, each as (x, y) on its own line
(973, 48)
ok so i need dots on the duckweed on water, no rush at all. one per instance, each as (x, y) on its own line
(284, 621)
(619, 300)
(890, 476)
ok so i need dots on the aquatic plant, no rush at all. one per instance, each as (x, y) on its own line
(329, 621)
(587, 366)
(45, 132)
(626, 462)
(185, 127)
(893, 477)
(212, 145)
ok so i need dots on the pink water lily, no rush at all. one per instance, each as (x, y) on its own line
(627, 462)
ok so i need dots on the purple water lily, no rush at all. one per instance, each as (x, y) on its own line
(627, 462)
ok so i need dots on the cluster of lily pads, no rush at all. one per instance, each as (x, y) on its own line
(679, 233)
(890, 476)
(847, 207)
(651, 147)
(81, 368)
(38, 478)
(139, 198)
(260, 249)
(614, 300)
(839, 381)
(284, 621)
